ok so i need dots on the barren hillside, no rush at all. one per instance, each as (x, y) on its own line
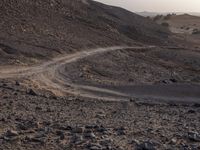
(87, 76)
(36, 30)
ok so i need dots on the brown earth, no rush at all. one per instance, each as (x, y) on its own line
(31, 31)
(81, 75)
(45, 122)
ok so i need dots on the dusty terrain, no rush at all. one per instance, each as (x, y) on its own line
(33, 31)
(184, 23)
(80, 75)
(43, 122)
(95, 118)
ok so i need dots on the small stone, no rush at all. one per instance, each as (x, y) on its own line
(38, 108)
(173, 80)
(53, 97)
(3, 119)
(32, 92)
(135, 141)
(196, 105)
(17, 83)
(106, 142)
(77, 139)
(101, 116)
(61, 134)
(91, 126)
(90, 135)
(81, 75)
(120, 131)
(10, 133)
(191, 111)
(94, 146)
(101, 129)
(4, 84)
(146, 146)
(78, 130)
(69, 128)
(132, 100)
(194, 136)
(35, 140)
(174, 141)
(165, 81)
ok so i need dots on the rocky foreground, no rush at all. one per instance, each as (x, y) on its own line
(30, 120)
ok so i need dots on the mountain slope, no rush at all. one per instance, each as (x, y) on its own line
(36, 30)
(183, 23)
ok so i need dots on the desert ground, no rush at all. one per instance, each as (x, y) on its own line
(81, 75)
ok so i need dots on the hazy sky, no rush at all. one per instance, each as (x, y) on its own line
(157, 5)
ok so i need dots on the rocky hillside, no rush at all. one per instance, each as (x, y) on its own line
(183, 23)
(35, 30)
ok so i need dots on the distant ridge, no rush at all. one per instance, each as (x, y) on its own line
(152, 14)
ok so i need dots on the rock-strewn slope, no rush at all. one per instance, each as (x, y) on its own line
(45, 28)
(30, 120)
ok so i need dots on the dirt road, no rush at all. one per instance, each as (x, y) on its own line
(49, 75)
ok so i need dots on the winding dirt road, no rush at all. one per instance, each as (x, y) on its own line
(49, 76)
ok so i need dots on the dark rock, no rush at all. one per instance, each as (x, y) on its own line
(68, 128)
(17, 83)
(5, 97)
(53, 97)
(165, 81)
(196, 105)
(93, 146)
(26, 124)
(38, 108)
(78, 129)
(45, 130)
(191, 111)
(173, 80)
(90, 135)
(47, 123)
(77, 139)
(101, 129)
(145, 146)
(12, 138)
(106, 142)
(4, 84)
(3, 119)
(194, 136)
(10, 133)
(31, 92)
(120, 131)
(61, 134)
(35, 140)
(91, 126)
(132, 100)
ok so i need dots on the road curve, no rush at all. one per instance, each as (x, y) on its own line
(48, 76)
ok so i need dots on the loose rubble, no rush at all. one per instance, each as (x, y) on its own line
(79, 124)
